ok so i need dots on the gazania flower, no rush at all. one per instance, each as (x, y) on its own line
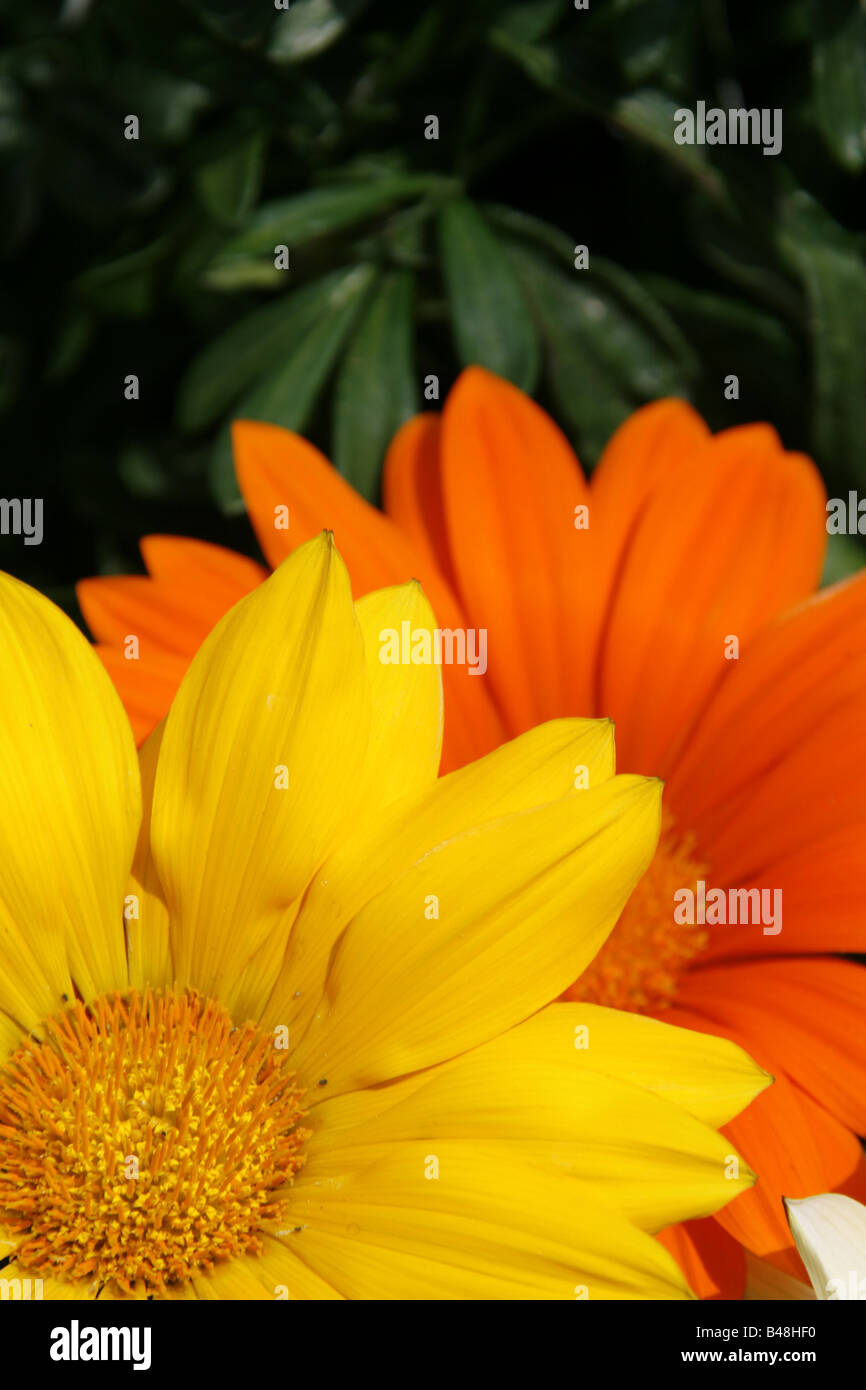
(675, 594)
(304, 1050)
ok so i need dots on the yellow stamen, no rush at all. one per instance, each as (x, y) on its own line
(143, 1139)
(640, 965)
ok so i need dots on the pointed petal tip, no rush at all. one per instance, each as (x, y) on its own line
(476, 382)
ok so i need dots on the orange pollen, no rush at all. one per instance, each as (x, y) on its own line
(640, 965)
(143, 1139)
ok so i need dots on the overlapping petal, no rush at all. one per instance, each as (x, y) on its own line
(69, 812)
(260, 758)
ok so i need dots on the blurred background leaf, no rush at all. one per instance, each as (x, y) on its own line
(287, 393)
(492, 323)
(305, 127)
(376, 386)
(839, 65)
(310, 26)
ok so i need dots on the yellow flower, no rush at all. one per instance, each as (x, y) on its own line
(306, 1049)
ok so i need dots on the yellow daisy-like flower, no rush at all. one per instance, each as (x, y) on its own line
(306, 1048)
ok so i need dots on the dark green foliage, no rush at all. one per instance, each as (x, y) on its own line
(408, 256)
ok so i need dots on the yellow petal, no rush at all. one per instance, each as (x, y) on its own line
(262, 749)
(285, 1276)
(56, 1291)
(10, 1036)
(536, 768)
(540, 1088)
(180, 1293)
(402, 756)
(232, 1282)
(712, 1078)
(246, 994)
(406, 730)
(69, 811)
(276, 1274)
(830, 1232)
(147, 933)
(478, 934)
(487, 1226)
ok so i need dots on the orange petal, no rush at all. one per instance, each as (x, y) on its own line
(777, 764)
(279, 469)
(191, 584)
(823, 891)
(732, 534)
(146, 687)
(412, 490)
(161, 615)
(819, 1155)
(171, 610)
(637, 459)
(809, 1013)
(646, 450)
(511, 484)
(473, 725)
(194, 564)
(793, 1144)
(712, 1261)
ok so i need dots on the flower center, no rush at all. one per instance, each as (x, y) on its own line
(640, 965)
(143, 1139)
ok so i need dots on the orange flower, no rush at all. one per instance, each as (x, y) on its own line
(681, 603)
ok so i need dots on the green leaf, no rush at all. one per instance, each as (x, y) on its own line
(839, 79)
(834, 276)
(605, 355)
(492, 324)
(640, 306)
(243, 273)
(73, 340)
(167, 106)
(288, 394)
(736, 336)
(604, 274)
(740, 245)
(123, 287)
(322, 211)
(375, 389)
(648, 116)
(580, 72)
(653, 41)
(252, 346)
(139, 470)
(516, 223)
(720, 318)
(529, 23)
(309, 27)
(541, 63)
(228, 186)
